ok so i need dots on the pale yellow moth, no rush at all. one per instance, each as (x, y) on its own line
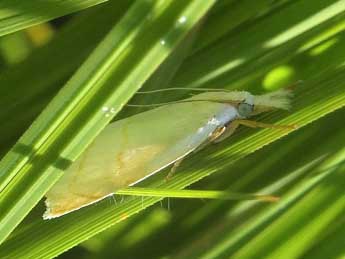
(130, 150)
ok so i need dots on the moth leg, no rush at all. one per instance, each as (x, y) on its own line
(216, 134)
(230, 129)
(173, 169)
(257, 124)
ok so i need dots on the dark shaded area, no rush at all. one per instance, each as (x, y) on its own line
(43, 73)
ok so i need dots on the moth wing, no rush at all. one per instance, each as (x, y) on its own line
(129, 150)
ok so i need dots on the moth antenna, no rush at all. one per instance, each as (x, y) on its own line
(167, 103)
(154, 104)
(184, 89)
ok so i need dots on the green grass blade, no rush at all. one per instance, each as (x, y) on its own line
(77, 39)
(111, 75)
(17, 15)
(243, 57)
(194, 194)
(236, 46)
(328, 95)
(287, 168)
(295, 230)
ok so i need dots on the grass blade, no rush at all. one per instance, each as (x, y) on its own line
(110, 76)
(194, 194)
(328, 95)
(17, 15)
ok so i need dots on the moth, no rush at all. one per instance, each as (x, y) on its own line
(132, 149)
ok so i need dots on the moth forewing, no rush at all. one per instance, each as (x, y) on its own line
(129, 150)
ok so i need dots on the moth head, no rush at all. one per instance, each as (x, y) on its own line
(245, 110)
(248, 104)
(256, 104)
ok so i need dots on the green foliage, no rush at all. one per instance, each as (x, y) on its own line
(103, 55)
(17, 15)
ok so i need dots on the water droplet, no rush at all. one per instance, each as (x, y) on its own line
(105, 109)
(182, 19)
(162, 42)
(112, 110)
(107, 115)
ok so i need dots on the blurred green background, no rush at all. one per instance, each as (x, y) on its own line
(258, 46)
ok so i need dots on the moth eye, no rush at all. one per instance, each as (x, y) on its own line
(245, 109)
